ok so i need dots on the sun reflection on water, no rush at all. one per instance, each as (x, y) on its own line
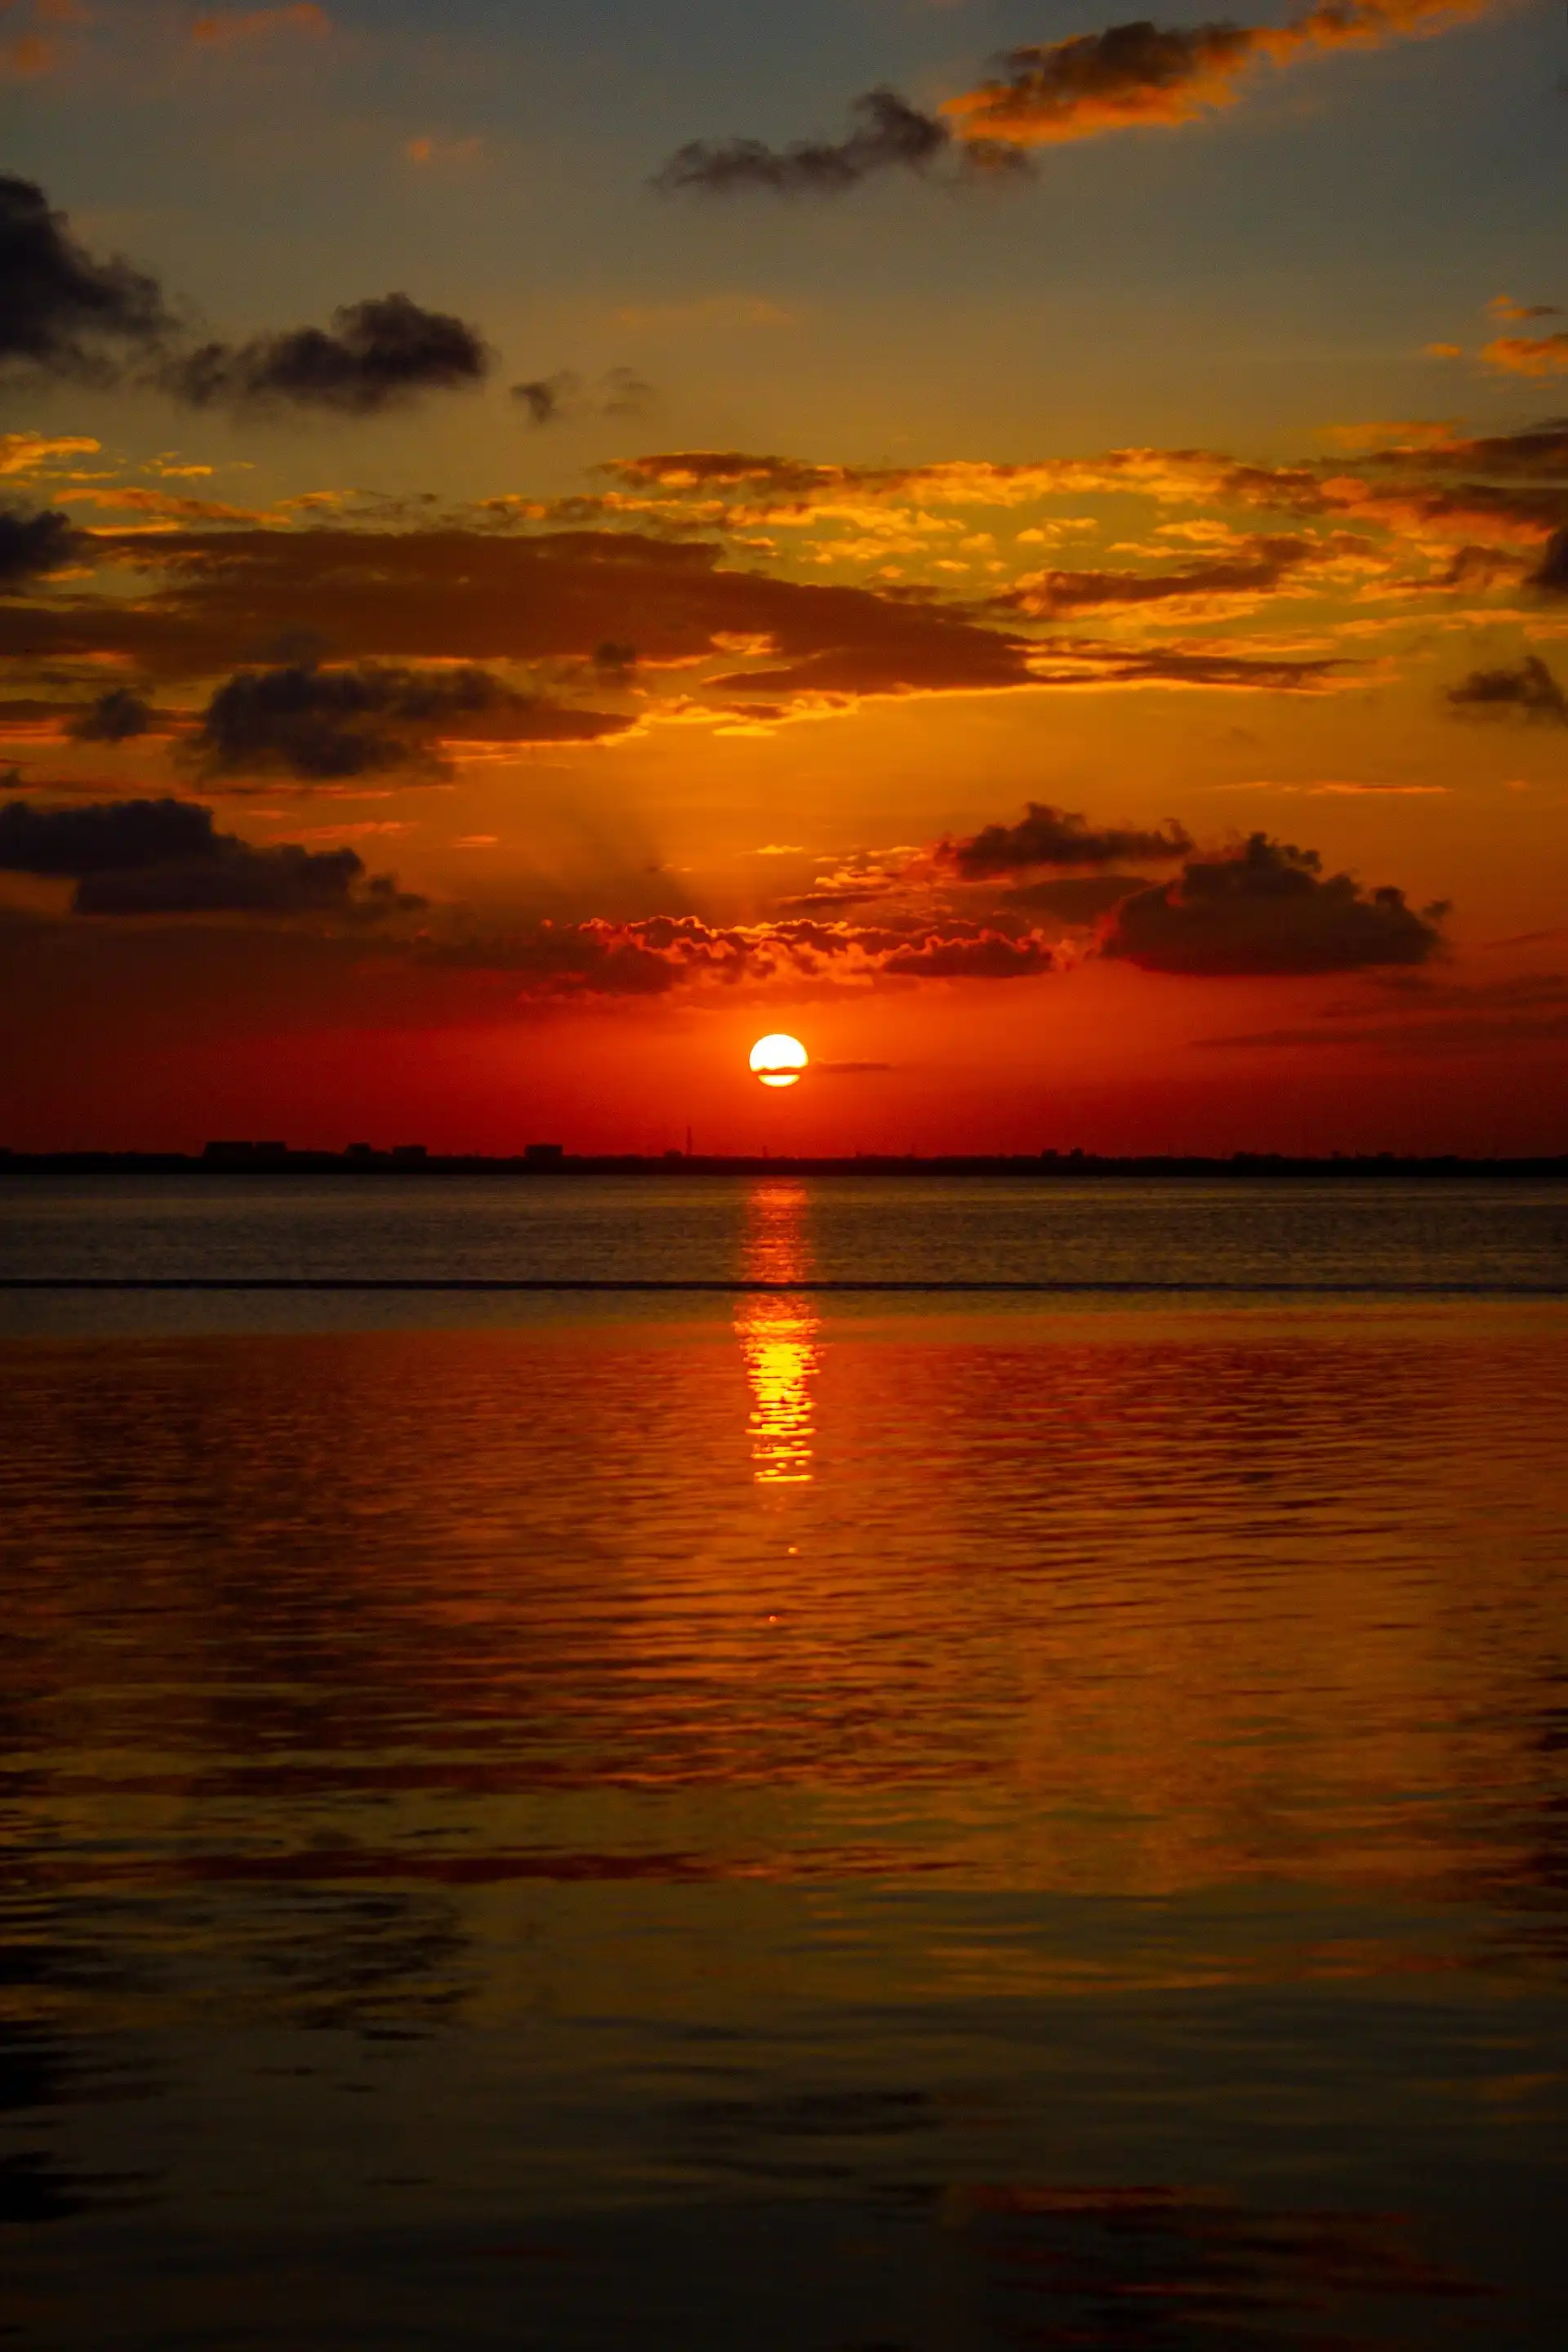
(778, 1336)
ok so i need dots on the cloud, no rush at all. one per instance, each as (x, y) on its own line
(1522, 494)
(1138, 76)
(552, 399)
(479, 595)
(1552, 571)
(62, 310)
(889, 134)
(107, 837)
(1503, 306)
(665, 953)
(164, 858)
(1266, 909)
(328, 724)
(378, 355)
(114, 717)
(24, 453)
(32, 543)
(1128, 77)
(227, 28)
(1528, 356)
(1255, 571)
(1053, 836)
(1530, 692)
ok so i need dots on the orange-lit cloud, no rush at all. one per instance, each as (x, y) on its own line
(1259, 569)
(1530, 355)
(661, 954)
(464, 595)
(25, 452)
(1503, 306)
(1128, 77)
(1137, 74)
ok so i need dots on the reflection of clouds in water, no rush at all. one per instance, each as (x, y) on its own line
(778, 1335)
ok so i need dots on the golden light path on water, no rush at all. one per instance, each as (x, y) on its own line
(778, 1336)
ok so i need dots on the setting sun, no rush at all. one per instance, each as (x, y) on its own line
(778, 1061)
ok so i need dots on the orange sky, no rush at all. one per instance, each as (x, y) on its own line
(453, 716)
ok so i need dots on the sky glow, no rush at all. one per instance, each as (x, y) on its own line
(534, 551)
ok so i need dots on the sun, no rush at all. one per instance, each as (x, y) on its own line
(779, 1061)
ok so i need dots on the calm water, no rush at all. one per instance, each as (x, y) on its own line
(778, 1822)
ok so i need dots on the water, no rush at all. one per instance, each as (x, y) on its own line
(782, 1821)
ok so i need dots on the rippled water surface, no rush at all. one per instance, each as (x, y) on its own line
(781, 1822)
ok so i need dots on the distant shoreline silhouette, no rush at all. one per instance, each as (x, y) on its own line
(553, 1162)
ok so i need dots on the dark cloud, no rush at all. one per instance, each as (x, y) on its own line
(1268, 907)
(473, 597)
(889, 134)
(1530, 692)
(327, 725)
(213, 597)
(1111, 665)
(114, 717)
(1054, 837)
(62, 310)
(1552, 572)
(994, 955)
(34, 541)
(1256, 569)
(1480, 567)
(166, 857)
(287, 880)
(1127, 76)
(105, 837)
(378, 355)
(554, 399)
(1539, 449)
